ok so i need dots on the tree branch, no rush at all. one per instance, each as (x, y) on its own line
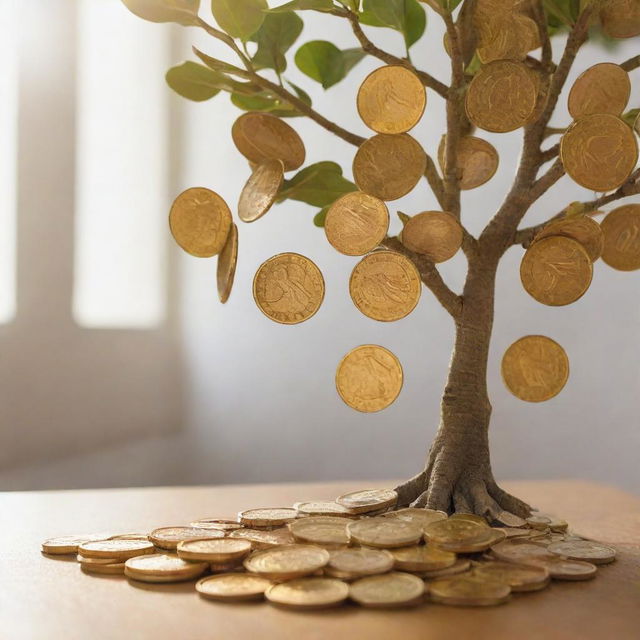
(369, 47)
(430, 276)
(631, 63)
(435, 181)
(549, 154)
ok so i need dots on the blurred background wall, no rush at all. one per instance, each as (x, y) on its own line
(120, 367)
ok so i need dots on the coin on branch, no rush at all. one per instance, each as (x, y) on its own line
(261, 136)
(368, 500)
(162, 567)
(599, 151)
(469, 591)
(502, 96)
(621, 229)
(233, 587)
(435, 234)
(602, 88)
(581, 228)
(369, 378)
(260, 191)
(385, 286)
(356, 223)
(287, 562)
(308, 593)
(395, 589)
(169, 537)
(227, 262)
(288, 288)
(476, 161)
(326, 531)
(200, 221)
(391, 99)
(357, 562)
(535, 368)
(620, 18)
(384, 533)
(389, 166)
(556, 271)
(503, 33)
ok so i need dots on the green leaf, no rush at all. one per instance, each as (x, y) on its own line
(631, 117)
(239, 18)
(415, 22)
(404, 218)
(321, 216)
(406, 16)
(561, 10)
(266, 103)
(325, 63)
(318, 184)
(274, 38)
(301, 93)
(354, 5)
(183, 12)
(351, 58)
(218, 65)
(303, 5)
(193, 81)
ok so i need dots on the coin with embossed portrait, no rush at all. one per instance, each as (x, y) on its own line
(391, 99)
(602, 88)
(621, 229)
(535, 368)
(288, 288)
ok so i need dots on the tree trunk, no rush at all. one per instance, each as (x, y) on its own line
(457, 475)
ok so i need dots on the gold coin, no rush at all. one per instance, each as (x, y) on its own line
(321, 530)
(227, 261)
(391, 99)
(454, 530)
(233, 587)
(368, 379)
(520, 551)
(288, 288)
(216, 523)
(384, 532)
(422, 517)
(269, 517)
(265, 539)
(287, 562)
(110, 568)
(389, 166)
(199, 221)
(169, 537)
(620, 18)
(260, 191)
(520, 577)
(501, 96)
(535, 368)
(510, 520)
(385, 286)
(120, 549)
(435, 234)
(367, 500)
(461, 566)
(563, 569)
(471, 517)
(582, 229)
(556, 271)
(162, 567)
(602, 88)
(356, 223)
(482, 542)
(506, 36)
(359, 562)
(477, 161)
(130, 536)
(261, 136)
(621, 229)
(422, 558)
(63, 545)
(308, 593)
(214, 550)
(599, 151)
(583, 550)
(469, 591)
(395, 589)
(323, 509)
(538, 522)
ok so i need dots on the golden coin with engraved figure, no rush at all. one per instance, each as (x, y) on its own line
(260, 191)
(356, 223)
(385, 286)
(506, 36)
(556, 271)
(476, 162)
(308, 593)
(435, 234)
(389, 166)
(261, 136)
(369, 378)
(620, 18)
(288, 288)
(602, 88)
(599, 151)
(582, 229)
(621, 229)
(501, 96)
(391, 99)
(535, 368)
(199, 221)
(387, 590)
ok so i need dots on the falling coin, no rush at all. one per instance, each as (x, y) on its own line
(369, 378)
(233, 587)
(288, 288)
(260, 191)
(435, 234)
(389, 166)
(391, 99)
(582, 229)
(621, 229)
(385, 286)
(476, 161)
(602, 88)
(308, 593)
(227, 261)
(535, 368)
(200, 221)
(395, 589)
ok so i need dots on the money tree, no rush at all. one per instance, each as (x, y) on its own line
(502, 77)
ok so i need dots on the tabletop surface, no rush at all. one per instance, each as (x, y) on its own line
(43, 598)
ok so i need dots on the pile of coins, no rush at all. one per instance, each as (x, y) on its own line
(359, 549)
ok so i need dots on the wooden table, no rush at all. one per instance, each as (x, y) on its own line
(45, 599)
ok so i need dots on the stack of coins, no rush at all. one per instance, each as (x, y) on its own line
(358, 548)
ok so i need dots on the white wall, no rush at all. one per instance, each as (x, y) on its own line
(260, 398)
